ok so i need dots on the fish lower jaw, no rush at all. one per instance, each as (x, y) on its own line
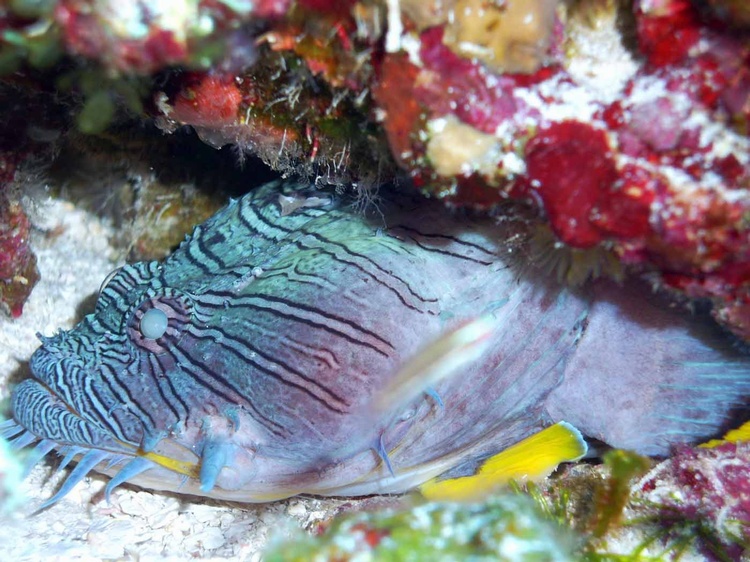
(225, 470)
(164, 480)
(251, 477)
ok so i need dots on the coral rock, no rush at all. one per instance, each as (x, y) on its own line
(18, 270)
(706, 487)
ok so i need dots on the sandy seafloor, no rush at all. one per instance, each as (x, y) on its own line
(75, 256)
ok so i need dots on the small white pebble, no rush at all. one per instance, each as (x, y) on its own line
(226, 520)
(296, 509)
(204, 513)
(210, 538)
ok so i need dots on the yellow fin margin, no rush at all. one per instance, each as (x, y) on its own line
(531, 459)
(742, 433)
(190, 469)
(185, 468)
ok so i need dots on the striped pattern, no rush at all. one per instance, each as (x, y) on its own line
(281, 332)
(282, 326)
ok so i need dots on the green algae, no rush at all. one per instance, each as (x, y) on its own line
(590, 513)
(507, 527)
(613, 495)
(97, 113)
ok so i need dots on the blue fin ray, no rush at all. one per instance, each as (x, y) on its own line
(115, 460)
(215, 456)
(383, 454)
(84, 466)
(69, 453)
(9, 429)
(432, 393)
(23, 440)
(41, 450)
(130, 470)
(183, 482)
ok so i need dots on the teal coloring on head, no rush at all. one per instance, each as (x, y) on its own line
(283, 350)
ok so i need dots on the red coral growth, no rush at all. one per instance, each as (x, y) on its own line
(570, 192)
(709, 488)
(208, 101)
(371, 535)
(395, 94)
(478, 97)
(591, 203)
(677, 16)
(18, 271)
(656, 173)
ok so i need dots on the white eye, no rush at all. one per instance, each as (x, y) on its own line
(153, 324)
(157, 323)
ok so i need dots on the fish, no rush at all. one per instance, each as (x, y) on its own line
(321, 349)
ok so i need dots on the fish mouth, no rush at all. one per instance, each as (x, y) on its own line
(42, 420)
(45, 423)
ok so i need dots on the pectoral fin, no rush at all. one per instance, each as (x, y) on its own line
(531, 459)
(742, 433)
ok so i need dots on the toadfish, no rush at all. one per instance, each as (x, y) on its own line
(316, 350)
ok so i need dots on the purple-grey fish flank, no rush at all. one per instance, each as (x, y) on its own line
(275, 334)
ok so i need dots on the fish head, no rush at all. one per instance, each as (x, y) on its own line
(131, 389)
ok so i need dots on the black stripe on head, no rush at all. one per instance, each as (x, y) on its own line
(119, 286)
(273, 367)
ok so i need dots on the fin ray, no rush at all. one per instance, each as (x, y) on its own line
(215, 456)
(81, 470)
(130, 470)
(42, 449)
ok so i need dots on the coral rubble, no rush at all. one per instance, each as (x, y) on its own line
(18, 271)
(507, 527)
(642, 151)
(704, 493)
(20, 139)
(622, 125)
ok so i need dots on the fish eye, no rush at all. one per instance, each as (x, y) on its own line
(153, 324)
(157, 323)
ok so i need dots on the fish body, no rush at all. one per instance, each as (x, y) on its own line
(325, 352)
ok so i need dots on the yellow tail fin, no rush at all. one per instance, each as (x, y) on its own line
(742, 433)
(531, 459)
